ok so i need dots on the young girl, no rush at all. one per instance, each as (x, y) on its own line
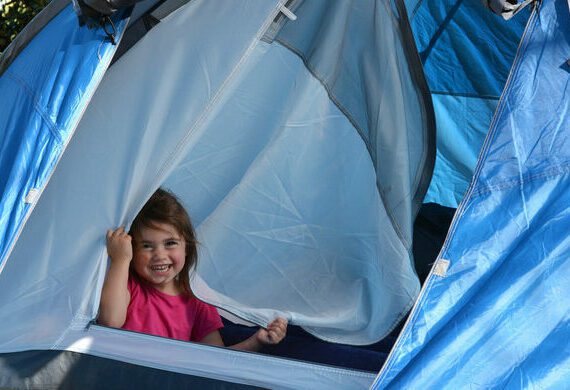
(147, 286)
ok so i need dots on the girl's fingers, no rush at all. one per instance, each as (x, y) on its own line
(275, 336)
(278, 323)
(120, 231)
(277, 330)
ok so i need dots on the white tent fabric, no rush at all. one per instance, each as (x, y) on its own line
(212, 362)
(111, 167)
(288, 212)
(290, 208)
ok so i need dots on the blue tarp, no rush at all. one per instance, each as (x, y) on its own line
(48, 86)
(499, 316)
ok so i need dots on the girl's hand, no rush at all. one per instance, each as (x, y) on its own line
(274, 333)
(119, 245)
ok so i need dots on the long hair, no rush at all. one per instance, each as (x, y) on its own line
(164, 207)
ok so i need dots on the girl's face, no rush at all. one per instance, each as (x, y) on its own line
(159, 253)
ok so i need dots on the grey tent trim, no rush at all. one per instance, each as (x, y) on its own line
(422, 181)
(417, 71)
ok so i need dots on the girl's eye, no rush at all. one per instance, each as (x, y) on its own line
(171, 244)
(146, 246)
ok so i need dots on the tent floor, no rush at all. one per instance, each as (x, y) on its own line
(72, 370)
(301, 345)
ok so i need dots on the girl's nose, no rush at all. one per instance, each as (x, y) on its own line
(159, 251)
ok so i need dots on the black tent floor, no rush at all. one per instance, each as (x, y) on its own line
(300, 345)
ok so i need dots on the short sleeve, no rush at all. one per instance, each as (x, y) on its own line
(207, 320)
(133, 285)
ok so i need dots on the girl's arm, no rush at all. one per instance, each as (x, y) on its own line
(115, 296)
(274, 333)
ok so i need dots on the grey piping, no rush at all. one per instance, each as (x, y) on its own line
(416, 70)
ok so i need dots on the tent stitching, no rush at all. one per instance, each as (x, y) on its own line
(53, 128)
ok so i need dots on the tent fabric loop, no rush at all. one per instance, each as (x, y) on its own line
(109, 28)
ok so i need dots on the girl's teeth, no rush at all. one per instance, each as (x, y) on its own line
(160, 267)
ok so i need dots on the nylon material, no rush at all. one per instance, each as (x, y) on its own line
(34, 135)
(466, 51)
(24, 167)
(465, 48)
(212, 362)
(508, 321)
(64, 288)
(65, 369)
(114, 141)
(211, 168)
(550, 150)
(412, 6)
(517, 247)
(398, 153)
(261, 210)
(457, 151)
(405, 152)
(386, 92)
(58, 82)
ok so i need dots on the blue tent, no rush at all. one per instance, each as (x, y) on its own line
(493, 312)
(269, 124)
(301, 137)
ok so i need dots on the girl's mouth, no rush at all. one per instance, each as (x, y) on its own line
(160, 267)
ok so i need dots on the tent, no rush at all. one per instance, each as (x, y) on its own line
(271, 133)
(492, 313)
(300, 135)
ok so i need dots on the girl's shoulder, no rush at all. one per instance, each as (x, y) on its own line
(133, 283)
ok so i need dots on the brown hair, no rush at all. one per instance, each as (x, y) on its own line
(164, 207)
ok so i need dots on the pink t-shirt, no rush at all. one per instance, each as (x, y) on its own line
(178, 317)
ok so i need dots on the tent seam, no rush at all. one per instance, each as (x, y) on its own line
(251, 355)
(470, 193)
(358, 129)
(177, 149)
(483, 153)
(52, 126)
(529, 178)
(423, 179)
(465, 94)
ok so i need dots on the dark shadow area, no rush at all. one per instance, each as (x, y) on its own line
(430, 230)
(301, 345)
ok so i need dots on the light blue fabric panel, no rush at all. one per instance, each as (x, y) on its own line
(283, 193)
(459, 139)
(133, 132)
(467, 53)
(498, 318)
(43, 95)
(359, 51)
(303, 185)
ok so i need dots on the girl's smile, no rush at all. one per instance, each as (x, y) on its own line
(159, 253)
